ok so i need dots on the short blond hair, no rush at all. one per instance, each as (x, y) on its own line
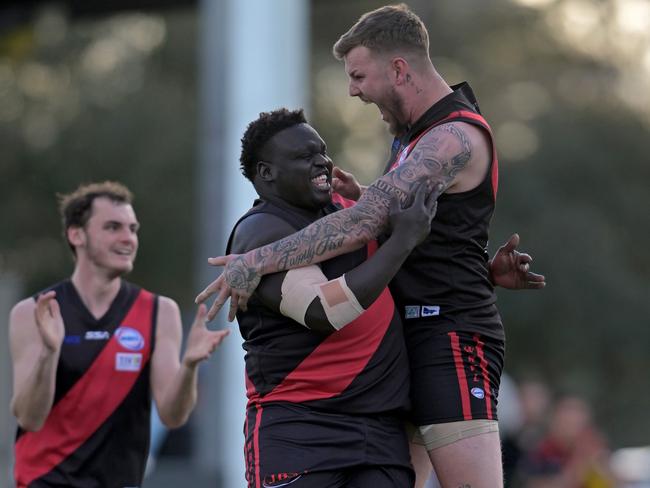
(386, 29)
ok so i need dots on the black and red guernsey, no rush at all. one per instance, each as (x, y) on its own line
(360, 369)
(97, 433)
(445, 279)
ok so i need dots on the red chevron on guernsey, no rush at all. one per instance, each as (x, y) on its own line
(353, 346)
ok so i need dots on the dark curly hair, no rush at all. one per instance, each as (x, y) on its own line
(260, 131)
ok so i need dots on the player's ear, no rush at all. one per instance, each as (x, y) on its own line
(400, 68)
(76, 235)
(265, 171)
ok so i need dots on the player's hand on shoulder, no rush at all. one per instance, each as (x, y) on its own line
(49, 322)
(345, 184)
(412, 223)
(201, 341)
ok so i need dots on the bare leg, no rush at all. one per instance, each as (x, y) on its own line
(473, 462)
(421, 464)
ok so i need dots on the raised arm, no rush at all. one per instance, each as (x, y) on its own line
(302, 294)
(174, 381)
(436, 161)
(36, 333)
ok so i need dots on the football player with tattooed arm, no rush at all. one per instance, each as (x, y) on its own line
(445, 289)
(89, 353)
(326, 364)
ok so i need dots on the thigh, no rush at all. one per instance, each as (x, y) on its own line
(473, 461)
(386, 442)
(292, 444)
(381, 477)
(421, 464)
(455, 376)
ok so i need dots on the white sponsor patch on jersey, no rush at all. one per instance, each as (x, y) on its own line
(430, 310)
(97, 335)
(129, 338)
(411, 311)
(128, 361)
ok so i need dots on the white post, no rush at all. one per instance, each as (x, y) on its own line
(254, 58)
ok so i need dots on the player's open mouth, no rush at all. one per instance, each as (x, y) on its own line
(123, 252)
(321, 182)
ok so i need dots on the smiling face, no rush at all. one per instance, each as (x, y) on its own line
(370, 78)
(301, 168)
(109, 239)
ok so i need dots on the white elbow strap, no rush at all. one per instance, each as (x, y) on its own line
(298, 291)
(300, 286)
(340, 304)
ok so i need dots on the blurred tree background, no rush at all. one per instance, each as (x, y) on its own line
(95, 99)
(564, 83)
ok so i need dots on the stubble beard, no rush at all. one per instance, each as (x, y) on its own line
(394, 108)
(101, 260)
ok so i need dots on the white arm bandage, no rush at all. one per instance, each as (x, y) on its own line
(301, 285)
(298, 291)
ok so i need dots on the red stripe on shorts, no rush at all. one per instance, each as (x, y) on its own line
(247, 452)
(256, 445)
(462, 377)
(484, 372)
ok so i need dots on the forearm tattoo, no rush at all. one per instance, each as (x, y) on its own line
(327, 237)
(435, 160)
